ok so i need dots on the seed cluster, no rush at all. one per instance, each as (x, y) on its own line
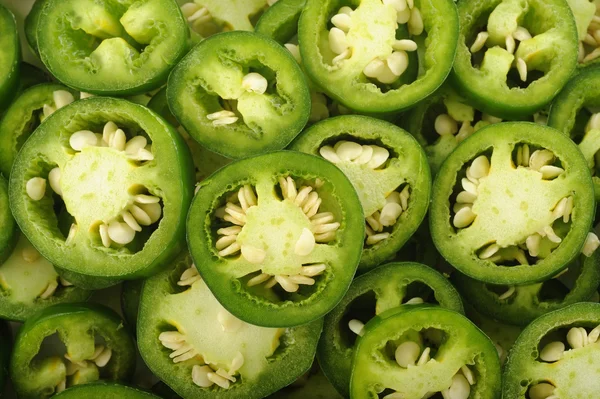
(589, 46)
(83, 371)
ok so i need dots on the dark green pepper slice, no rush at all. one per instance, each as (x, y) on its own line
(519, 305)
(130, 302)
(10, 56)
(387, 287)
(523, 59)
(280, 21)
(88, 343)
(25, 114)
(277, 237)
(556, 356)
(389, 171)
(8, 237)
(361, 58)
(513, 204)
(104, 390)
(239, 94)
(30, 24)
(418, 352)
(312, 384)
(115, 202)
(200, 350)
(572, 112)
(112, 47)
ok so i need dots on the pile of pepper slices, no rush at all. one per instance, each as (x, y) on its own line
(389, 199)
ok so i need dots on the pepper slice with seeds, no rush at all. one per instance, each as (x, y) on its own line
(513, 204)
(248, 97)
(418, 352)
(105, 390)
(192, 343)
(389, 171)
(88, 344)
(111, 47)
(10, 56)
(519, 305)
(514, 55)
(102, 188)
(277, 237)
(556, 356)
(587, 18)
(387, 287)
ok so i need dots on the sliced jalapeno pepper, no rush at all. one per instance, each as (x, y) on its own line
(277, 237)
(30, 24)
(200, 350)
(556, 355)
(526, 55)
(104, 390)
(112, 47)
(384, 288)
(8, 237)
(519, 305)
(513, 204)
(280, 21)
(572, 113)
(249, 96)
(103, 205)
(10, 56)
(389, 171)
(586, 15)
(420, 351)
(97, 347)
(312, 384)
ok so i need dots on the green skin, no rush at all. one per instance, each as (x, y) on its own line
(346, 83)
(280, 21)
(31, 22)
(193, 310)
(76, 325)
(22, 118)
(569, 114)
(130, 302)
(169, 176)
(463, 344)
(573, 375)
(8, 236)
(553, 52)
(114, 47)
(267, 122)
(459, 248)
(408, 166)
(106, 390)
(528, 303)
(5, 351)
(390, 286)
(227, 277)
(10, 57)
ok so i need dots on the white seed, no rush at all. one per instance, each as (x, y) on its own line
(259, 279)
(329, 154)
(30, 254)
(200, 376)
(594, 335)
(153, 211)
(219, 380)
(325, 228)
(540, 158)
(397, 62)
(337, 41)
(445, 124)
(220, 115)
(103, 358)
(490, 251)
(83, 95)
(465, 197)
(48, 110)
(136, 144)
(374, 68)
(365, 156)
(390, 213)
(228, 322)
(108, 131)
(459, 389)
(490, 118)
(591, 244)
(415, 22)
(103, 230)
(120, 233)
(576, 338)
(286, 284)
(71, 235)
(197, 14)
(118, 140)
(54, 180)
(593, 122)
(252, 254)
(468, 374)
(230, 250)
(407, 353)
(550, 172)
(130, 220)
(510, 44)
(301, 200)
(560, 208)
(403, 16)
(480, 167)
(313, 270)
(236, 363)
(463, 218)
(533, 244)
(522, 69)
(49, 290)
(521, 34)
(301, 280)
(255, 83)
(295, 50)
(62, 98)
(479, 41)
(399, 5)
(62, 385)
(552, 352)
(374, 239)
(82, 139)
(509, 292)
(344, 56)
(345, 10)
(348, 150)
(305, 244)
(36, 188)
(415, 301)
(380, 156)
(342, 21)
(146, 199)
(140, 215)
(465, 131)
(405, 45)
(425, 357)
(542, 390)
(469, 186)
(548, 231)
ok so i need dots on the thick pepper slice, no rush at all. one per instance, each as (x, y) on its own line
(514, 55)
(102, 189)
(111, 47)
(416, 352)
(277, 237)
(389, 171)
(8, 237)
(10, 56)
(97, 347)
(378, 57)
(387, 287)
(556, 356)
(513, 204)
(104, 390)
(200, 350)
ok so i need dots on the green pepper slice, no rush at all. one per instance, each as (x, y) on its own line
(572, 112)
(10, 56)
(130, 302)
(367, 57)
(111, 47)
(115, 202)
(420, 351)
(30, 25)
(523, 59)
(587, 16)
(9, 227)
(280, 21)
(513, 204)
(555, 354)
(519, 305)
(387, 287)
(388, 170)
(200, 350)
(312, 384)
(95, 346)
(104, 390)
(277, 237)
(248, 97)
